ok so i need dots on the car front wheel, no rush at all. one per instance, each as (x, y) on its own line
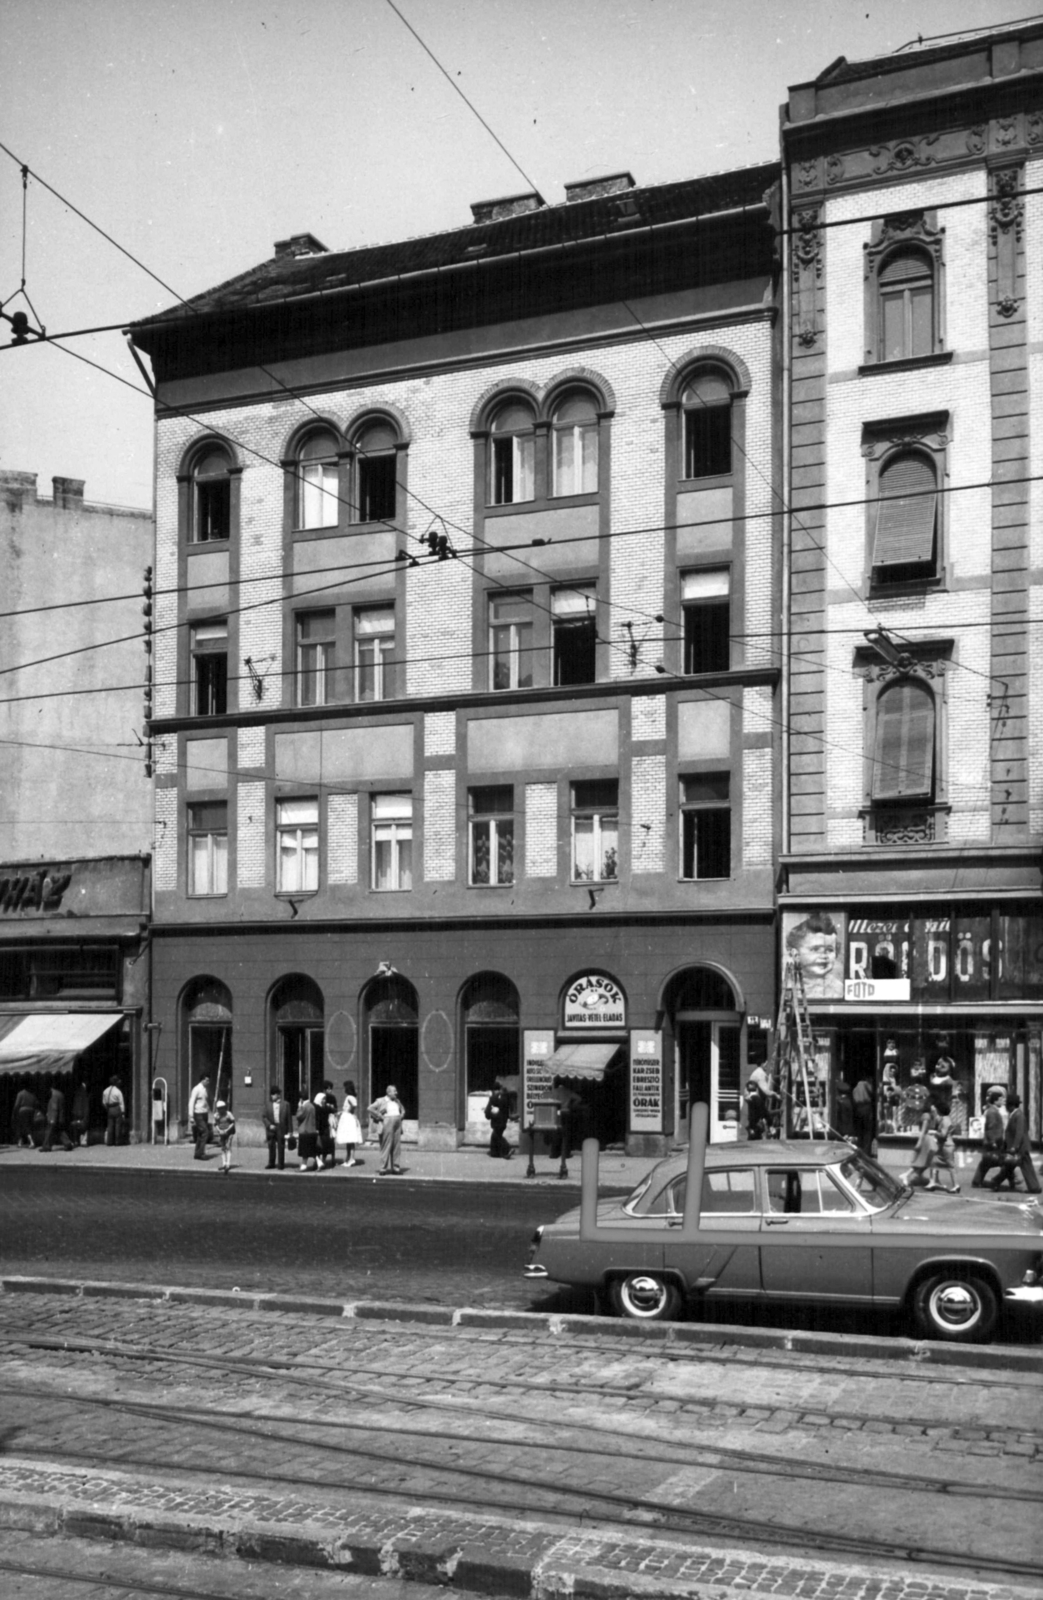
(956, 1308)
(646, 1297)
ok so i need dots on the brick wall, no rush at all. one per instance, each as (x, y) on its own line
(251, 853)
(541, 830)
(440, 825)
(342, 838)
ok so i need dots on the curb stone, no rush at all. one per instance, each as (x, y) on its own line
(484, 1553)
(692, 1336)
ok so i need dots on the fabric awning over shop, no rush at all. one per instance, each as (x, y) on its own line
(582, 1060)
(50, 1041)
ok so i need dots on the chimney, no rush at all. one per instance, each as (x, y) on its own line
(17, 488)
(596, 188)
(68, 493)
(299, 244)
(510, 205)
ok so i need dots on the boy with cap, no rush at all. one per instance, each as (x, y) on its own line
(224, 1127)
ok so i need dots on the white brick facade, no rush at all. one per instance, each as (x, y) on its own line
(648, 813)
(342, 838)
(250, 846)
(164, 849)
(440, 825)
(541, 830)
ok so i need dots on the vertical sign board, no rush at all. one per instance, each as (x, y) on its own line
(646, 1081)
(537, 1076)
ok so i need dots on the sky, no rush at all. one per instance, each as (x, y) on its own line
(197, 132)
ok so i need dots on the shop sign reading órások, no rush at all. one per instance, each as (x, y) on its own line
(594, 1002)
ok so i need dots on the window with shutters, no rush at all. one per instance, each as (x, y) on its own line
(906, 800)
(904, 276)
(905, 502)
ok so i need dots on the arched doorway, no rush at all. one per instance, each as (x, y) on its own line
(706, 1024)
(296, 1038)
(389, 1014)
(206, 1039)
(492, 1041)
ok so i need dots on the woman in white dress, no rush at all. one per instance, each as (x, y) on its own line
(349, 1129)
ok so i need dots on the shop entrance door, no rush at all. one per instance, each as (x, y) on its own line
(707, 1067)
(300, 1060)
(393, 1058)
(210, 1056)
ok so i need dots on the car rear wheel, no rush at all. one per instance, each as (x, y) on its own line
(646, 1297)
(958, 1308)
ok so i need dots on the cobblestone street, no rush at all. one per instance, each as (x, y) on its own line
(513, 1454)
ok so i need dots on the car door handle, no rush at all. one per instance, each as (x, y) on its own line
(776, 1222)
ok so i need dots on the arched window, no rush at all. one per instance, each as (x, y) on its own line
(904, 743)
(390, 1011)
(512, 454)
(211, 516)
(491, 1039)
(574, 468)
(376, 472)
(906, 290)
(706, 413)
(297, 1038)
(206, 1038)
(906, 537)
(318, 488)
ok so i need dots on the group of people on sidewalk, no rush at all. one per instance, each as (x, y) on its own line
(1005, 1139)
(63, 1123)
(314, 1129)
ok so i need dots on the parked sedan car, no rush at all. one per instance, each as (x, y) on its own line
(812, 1223)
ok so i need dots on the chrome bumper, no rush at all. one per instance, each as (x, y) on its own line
(1026, 1295)
(534, 1270)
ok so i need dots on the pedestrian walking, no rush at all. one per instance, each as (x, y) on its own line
(844, 1110)
(199, 1115)
(224, 1128)
(24, 1110)
(917, 1176)
(863, 1106)
(277, 1126)
(497, 1111)
(387, 1112)
(944, 1159)
(56, 1122)
(307, 1136)
(349, 1128)
(115, 1111)
(992, 1146)
(1017, 1151)
(326, 1125)
(79, 1121)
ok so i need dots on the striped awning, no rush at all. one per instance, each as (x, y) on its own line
(582, 1060)
(50, 1041)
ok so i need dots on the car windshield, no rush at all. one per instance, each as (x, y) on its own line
(870, 1180)
(638, 1202)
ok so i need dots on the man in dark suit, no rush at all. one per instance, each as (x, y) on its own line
(56, 1122)
(1017, 1151)
(277, 1124)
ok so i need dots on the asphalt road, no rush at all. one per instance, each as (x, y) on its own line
(445, 1243)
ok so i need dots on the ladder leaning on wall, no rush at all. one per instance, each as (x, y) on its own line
(794, 1046)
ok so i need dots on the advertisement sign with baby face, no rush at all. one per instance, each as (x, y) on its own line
(817, 942)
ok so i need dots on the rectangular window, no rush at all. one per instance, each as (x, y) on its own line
(903, 757)
(906, 538)
(510, 641)
(574, 632)
(513, 469)
(706, 602)
(213, 509)
(316, 635)
(595, 831)
(707, 440)
(210, 668)
(392, 828)
(319, 494)
(376, 478)
(208, 848)
(576, 460)
(492, 835)
(706, 826)
(297, 830)
(374, 653)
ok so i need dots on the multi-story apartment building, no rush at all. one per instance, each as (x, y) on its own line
(910, 873)
(467, 662)
(75, 801)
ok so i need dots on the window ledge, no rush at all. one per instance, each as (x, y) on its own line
(295, 894)
(940, 358)
(712, 480)
(204, 544)
(910, 586)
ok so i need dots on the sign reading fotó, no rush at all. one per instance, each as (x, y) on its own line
(594, 1001)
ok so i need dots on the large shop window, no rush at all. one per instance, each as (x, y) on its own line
(492, 835)
(595, 831)
(574, 633)
(209, 643)
(318, 482)
(706, 603)
(208, 848)
(211, 513)
(706, 826)
(297, 832)
(392, 829)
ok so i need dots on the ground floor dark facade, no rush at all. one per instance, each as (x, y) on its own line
(666, 1012)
